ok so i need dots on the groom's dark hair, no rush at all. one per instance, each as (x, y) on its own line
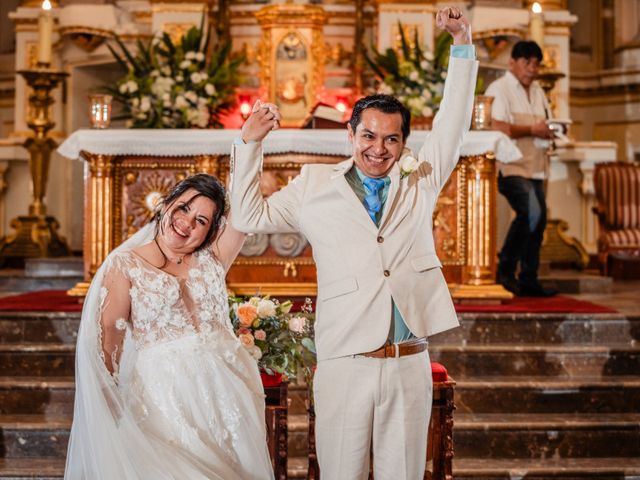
(385, 104)
(205, 186)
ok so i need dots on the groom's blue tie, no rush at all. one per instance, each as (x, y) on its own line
(372, 200)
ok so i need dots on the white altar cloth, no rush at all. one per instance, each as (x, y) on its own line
(178, 142)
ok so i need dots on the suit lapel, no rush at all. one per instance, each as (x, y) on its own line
(340, 183)
(392, 197)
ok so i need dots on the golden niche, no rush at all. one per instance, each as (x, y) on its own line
(292, 57)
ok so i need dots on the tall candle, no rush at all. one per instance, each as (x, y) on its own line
(45, 32)
(536, 25)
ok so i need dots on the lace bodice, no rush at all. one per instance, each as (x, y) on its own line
(163, 307)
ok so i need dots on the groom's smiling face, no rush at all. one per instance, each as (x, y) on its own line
(377, 142)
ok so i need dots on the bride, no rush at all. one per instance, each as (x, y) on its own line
(164, 389)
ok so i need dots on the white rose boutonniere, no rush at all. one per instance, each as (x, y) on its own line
(408, 165)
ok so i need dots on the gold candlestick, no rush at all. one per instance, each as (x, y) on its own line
(36, 233)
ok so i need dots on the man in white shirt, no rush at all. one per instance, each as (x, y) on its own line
(520, 110)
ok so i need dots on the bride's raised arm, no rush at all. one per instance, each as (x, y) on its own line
(228, 244)
(115, 311)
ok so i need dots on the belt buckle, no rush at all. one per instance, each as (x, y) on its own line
(396, 350)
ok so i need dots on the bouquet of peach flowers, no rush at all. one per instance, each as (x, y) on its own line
(280, 341)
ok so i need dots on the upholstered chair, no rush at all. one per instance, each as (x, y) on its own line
(618, 208)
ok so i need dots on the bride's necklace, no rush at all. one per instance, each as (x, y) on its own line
(177, 261)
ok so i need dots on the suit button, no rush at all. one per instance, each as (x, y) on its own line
(387, 273)
(380, 239)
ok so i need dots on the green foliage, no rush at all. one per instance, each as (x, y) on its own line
(417, 77)
(281, 342)
(175, 85)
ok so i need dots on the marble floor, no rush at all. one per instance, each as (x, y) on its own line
(624, 297)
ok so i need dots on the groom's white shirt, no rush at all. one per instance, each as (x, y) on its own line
(361, 267)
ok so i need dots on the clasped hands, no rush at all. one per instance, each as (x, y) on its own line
(264, 118)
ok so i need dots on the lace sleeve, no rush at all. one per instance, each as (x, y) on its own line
(115, 308)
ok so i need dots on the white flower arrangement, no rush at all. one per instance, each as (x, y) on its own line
(175, 85)
(415, 77)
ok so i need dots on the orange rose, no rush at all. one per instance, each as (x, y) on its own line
(247, 313)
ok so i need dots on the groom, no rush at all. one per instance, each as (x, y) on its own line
(381, 292)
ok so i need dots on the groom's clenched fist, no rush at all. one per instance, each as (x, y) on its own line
(451, 20)
(264, 118)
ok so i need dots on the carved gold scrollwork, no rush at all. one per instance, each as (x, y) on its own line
(130, 177)
(208, 164)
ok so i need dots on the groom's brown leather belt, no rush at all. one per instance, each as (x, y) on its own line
(399, 349)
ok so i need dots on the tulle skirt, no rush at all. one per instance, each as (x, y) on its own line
(200, 399)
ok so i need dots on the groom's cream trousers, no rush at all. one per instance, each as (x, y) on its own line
(358, 398)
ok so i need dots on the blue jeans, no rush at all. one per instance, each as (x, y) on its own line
(523, 241)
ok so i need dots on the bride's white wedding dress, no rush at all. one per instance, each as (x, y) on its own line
(185, 400)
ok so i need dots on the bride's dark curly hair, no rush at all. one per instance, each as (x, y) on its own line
(205, 186)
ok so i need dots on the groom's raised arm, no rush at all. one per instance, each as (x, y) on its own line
(251, 213)
(442, 147)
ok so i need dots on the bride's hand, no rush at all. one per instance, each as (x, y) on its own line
(264, 118)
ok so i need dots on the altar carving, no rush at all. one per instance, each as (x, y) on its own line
(123, 188)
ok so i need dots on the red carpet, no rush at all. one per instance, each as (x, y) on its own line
(41, 301)
(59, 301)
(557, 304)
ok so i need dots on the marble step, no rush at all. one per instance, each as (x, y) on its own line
(37, 395)
(567, 469)
(31, 468)
(54, 267)
(530, 328)
(34, 436)
(524, 435)
(461, 361)
(471, 361)
(544, 436)
(53, 468)
(464, 469)
(37, 359)
(17, 281)
(476, 329)
(39, 327)
(501, 394)
(571, 281)
(534, 394)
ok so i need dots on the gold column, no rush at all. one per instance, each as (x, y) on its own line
(481, 221)
(99, 231)
(479, 272)
(36, 233)
(358, 57)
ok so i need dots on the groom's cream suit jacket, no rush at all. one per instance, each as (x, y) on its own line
(361, 267)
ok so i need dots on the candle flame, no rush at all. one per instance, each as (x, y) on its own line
(536, 8)
(245, 108)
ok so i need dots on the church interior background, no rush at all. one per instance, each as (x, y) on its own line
(533, 390)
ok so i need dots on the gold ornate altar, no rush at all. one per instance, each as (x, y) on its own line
(121, 190)
(292, 58)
